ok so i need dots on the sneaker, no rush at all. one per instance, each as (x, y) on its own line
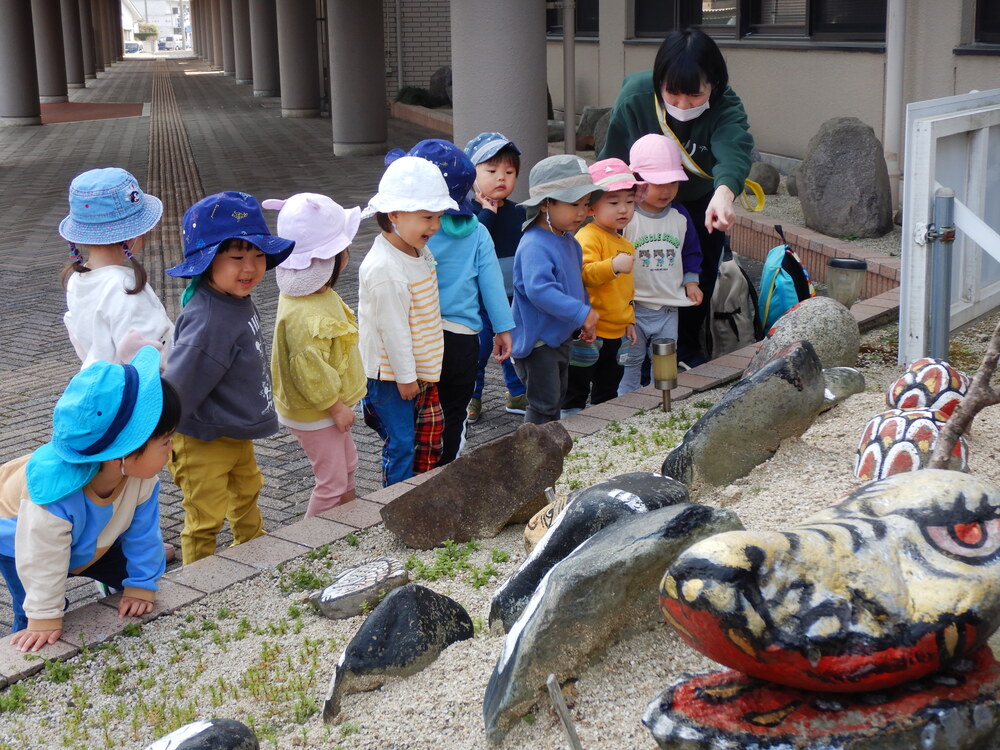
(475, 410)
(517, 404)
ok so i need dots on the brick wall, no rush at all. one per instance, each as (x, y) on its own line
(426, 42)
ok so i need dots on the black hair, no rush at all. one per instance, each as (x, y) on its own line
(506, 155)
(76, 266)
(338, 268)
(382, 219)
(684, 59)
(170, 416)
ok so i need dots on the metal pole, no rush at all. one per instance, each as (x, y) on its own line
(941, 253)
(569, 75)
(892, 131)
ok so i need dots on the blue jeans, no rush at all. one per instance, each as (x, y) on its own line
(394, 422)
(649, 325)
(514, 385)
(109, 570)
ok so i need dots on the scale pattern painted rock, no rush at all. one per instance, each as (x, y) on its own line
(209, 734)
(901, 440)
(956, 709)
(355, 589)
(900, 579)
(929, 384)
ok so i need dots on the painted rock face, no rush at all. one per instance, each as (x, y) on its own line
(901, 440)
(895, 582)
(929, 384)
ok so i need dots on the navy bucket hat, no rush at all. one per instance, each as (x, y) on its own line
(107, 206)
(456, 168)
(226, 216)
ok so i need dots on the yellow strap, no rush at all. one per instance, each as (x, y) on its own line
(692, 166)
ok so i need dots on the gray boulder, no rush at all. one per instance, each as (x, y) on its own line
(765, 174)
(209, 734)
(745, 427)
(556, 131)
(601, 132)
(359, 588)
(823, 322)
(587, 512)
(843, 181)
(588, 124)
(440, 87)
(477, 494)
(791, 184)
(608, 586)
(405, 633)
(841, 383)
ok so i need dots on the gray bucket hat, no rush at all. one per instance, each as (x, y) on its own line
(564, 177)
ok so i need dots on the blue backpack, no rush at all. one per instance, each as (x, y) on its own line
(784, 282)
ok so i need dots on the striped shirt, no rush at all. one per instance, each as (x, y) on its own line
(399, 317)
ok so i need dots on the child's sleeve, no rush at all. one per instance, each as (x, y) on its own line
(143, 314)
(597, 268)
(543, 288)
(491, 286)
(691, 249)
(391, 311)
(42, 543)
(142, 547)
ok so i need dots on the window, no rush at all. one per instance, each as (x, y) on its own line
(586, 19)
(988, 21)
(657, 18)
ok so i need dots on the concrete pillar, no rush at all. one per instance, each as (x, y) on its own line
(297, 57)
(97, 13)
(217, 21)
(197, 26)
(47, 26)
(264, 48)
(115, 31)
(87, 40)
(357, 77)
(242, 54)
(72, 44)
(19, 83)
(514, 102)
(226, 19)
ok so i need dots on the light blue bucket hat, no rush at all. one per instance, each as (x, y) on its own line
(486, 145)
(107, 206)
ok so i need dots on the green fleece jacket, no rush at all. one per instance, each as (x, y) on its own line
(719, 140)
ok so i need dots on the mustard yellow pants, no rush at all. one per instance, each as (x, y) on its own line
(220, 480)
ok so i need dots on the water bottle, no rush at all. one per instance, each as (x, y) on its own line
(623, 351)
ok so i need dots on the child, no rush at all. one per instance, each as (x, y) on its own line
(399, 318)
(221, 369)
(550, 302)
(468, 277)
(107, 297)
(607, 274)
(497, 161)
(87, 502)
(315, 362)
(661, 230)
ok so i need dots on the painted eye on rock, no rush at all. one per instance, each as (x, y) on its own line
(975, 542)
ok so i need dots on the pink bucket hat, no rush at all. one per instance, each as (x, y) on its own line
(657, 160)
(613, 174)
(320, 227)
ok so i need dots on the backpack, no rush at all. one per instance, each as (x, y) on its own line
(784, 282)
(734, 318)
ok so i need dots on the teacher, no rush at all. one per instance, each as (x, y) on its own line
(687, 94)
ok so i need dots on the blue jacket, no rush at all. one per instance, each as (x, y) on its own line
(550, 302)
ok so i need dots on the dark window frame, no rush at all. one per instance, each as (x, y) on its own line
(553, 20)
(987, 30)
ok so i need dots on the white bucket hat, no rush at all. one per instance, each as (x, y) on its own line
(410, 184)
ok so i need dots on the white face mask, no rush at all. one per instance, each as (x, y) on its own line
(685, 115)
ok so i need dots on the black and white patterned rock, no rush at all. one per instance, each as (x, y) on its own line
(357, 589)
(841, 384)
(823, 322)
(209, 734)
(587, 513)
(746, 426)
(407, 631)
(605, 587)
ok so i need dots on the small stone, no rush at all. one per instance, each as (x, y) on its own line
(841, 384)
(209, 734)
(766, 176)
(357, 589)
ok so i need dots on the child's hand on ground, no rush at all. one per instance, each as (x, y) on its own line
(488, 203)
(501, 346)
(630, 333)
(588, 331)
(129, 606)
(694, 292)
(622, 263)
(343, 415)
(408, 391)
(33, 640)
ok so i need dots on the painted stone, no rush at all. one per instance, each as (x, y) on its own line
(898, 580)
(479, 493)
(746, 426)
(956, 709)
(359, 588)
(535, 529)
(901, 440)
(605, 587)
(209, 734)
(407, 631)
(929, 384)
(841, 384)
(823, 322)
(590, 511)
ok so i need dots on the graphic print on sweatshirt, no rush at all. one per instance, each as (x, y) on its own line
(265, 364)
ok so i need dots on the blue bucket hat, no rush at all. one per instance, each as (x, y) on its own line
(107, 411)
(486, 145)
(226, 216)
(108, 206)
(456, 168)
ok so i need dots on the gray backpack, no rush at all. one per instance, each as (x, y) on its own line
(734, 319)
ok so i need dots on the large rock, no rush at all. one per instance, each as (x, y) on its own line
(601, 132)
(477, 494)
(766, 175)
(588, 512)
(843, 181)
(824, 323)
(209, 734)
(746, 426)
(407, 631)
(359, 588)
(588, 124)
(605, 587)
(440, 87)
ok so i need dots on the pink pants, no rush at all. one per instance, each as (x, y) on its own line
(334, 459)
